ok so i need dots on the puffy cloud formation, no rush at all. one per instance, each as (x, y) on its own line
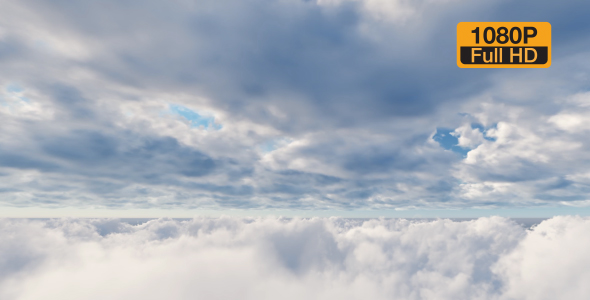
(287, 104)
(271, 258)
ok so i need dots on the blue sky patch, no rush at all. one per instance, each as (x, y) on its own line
(196, 120)
(446, 140)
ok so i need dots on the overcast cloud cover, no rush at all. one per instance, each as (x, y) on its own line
(269, 258)
(286, 104)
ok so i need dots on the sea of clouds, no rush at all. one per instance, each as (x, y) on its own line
(277, 258)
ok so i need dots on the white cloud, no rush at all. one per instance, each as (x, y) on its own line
(468, 137)
(551, 262)
(230, 258)
(529, 156)
(574, 117)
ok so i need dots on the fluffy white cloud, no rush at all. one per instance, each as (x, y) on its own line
(229, 258)
(468, 137)
(525, 154)
(550, 262)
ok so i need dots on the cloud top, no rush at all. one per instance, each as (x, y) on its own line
(270, 258)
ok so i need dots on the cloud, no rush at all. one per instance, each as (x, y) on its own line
(550, 259)
(487, 258)
(529, 153)
(284, 104)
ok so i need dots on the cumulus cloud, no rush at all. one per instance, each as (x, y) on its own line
(269, 258)
(527, 155)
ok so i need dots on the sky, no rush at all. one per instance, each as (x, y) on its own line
(287, 107)
(289, 149)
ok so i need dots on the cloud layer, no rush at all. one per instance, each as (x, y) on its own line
(231, 258)
(285, 104)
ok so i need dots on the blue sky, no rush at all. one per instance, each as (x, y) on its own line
(341, 107)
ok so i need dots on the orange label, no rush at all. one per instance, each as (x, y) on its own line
(504, 45)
